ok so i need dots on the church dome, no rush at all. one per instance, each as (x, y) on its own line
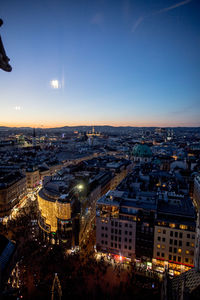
(140, 150)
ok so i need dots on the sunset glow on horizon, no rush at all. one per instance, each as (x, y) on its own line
(87, 64)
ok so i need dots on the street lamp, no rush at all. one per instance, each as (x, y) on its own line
(78, 187)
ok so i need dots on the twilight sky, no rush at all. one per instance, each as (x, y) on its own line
(128, 62)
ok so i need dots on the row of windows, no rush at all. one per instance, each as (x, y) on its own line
(115, 245)
(119, 246)
(172, 225)
(116, 231)
(175, 242)
(175, 250)
(176, 234)
(116, 238)
(175, 258)
(116, 224)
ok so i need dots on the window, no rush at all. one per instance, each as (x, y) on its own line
(120, 231)
(175, 242)
(102, 227)
(179, 259)
(171, 241)
(163, 246)
(174, 258)
(187, 252)
(129, 247)
(171, 233)
(115, 245)
(116, 224)
(186, 260)
(175, 250)
(187, 244)
(111, 244)
(102, 235)
(102, 242)
(192, 244)
(119, 246)
(120, 224)
(180, 243)
(116, 231)
(106, 235)
(158, 253)
(112, 230)
(119, 239)
(112, 223)
(125, 246)
(111, 237)
(130, 240)
(183, 227)
(193, 236)
(170, 249)
(188, 236)
(176, 234)
(126, 225)
(170, 257)
(179, 250)
(126, 231)
(159, 230)
(180, 235)
(163, 239)
(106, 228)
(130, 232)
(162, 254)
(116, 238)
(172, 225)
(125, 239)
(164, 231)
(106, 242)
(130, 225)
(158, 238)
(158, 246)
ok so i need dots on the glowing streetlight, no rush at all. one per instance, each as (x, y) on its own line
(80, 187)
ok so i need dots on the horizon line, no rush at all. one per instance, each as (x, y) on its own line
(115, 126)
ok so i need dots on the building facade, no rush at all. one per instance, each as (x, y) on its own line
(12, 189)
(156, 229)
(58, 220)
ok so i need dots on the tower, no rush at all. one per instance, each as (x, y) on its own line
(56, 290)
(34, 138)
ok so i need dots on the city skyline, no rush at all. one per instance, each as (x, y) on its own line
(120, 63)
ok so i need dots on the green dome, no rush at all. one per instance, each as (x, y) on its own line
(141, 151)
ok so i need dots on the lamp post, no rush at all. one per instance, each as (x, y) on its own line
(78, 187)
(78, 211)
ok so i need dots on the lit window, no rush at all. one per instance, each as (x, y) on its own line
(187, 251)
(172, 225)
(192, 244)
(183, 226)
(159, 230)
(163, 246)
(158, 246)
(179, 250)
